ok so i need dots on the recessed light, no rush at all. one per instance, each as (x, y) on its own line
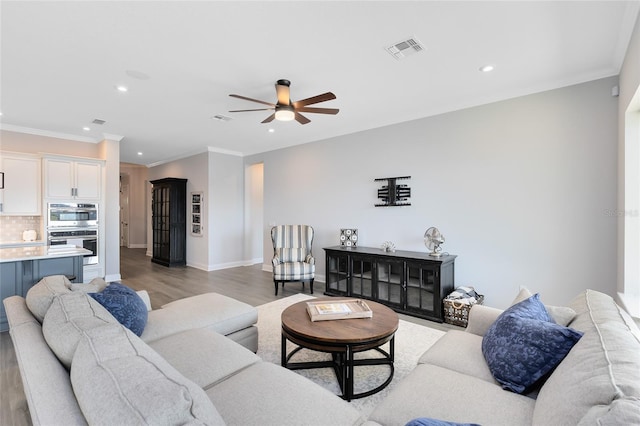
(139, 153)
(122, 88)
(272, 130)
(86, 129)
(487, 68)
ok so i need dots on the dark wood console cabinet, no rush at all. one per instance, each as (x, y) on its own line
(169, 221)
(409, 282)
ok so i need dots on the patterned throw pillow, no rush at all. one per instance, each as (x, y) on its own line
(125, 305)
(292, 254)
(524, 344)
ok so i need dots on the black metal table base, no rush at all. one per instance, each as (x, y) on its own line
(343, 362)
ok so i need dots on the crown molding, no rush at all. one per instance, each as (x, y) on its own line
(47, 133)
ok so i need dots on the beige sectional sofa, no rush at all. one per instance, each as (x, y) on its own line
(193, 364)
(597, 383)
(184, 370)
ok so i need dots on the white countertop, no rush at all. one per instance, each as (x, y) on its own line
(21, 243)
(17, 254)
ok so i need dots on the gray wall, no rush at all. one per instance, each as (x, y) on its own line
(521, 190)
(220, 178)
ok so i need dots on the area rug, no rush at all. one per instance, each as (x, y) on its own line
(410, 343)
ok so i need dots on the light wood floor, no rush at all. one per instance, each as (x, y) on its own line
(248, 284)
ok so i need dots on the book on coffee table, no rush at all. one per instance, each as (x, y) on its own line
(338, 309)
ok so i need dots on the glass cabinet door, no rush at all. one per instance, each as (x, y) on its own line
(422, 283)
(362, 277)
(337, 274)
(390, 280)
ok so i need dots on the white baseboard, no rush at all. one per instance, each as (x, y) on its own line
(137, 246)
(218, 266)
(112, 277)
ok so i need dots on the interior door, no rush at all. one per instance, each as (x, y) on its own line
(124, 215)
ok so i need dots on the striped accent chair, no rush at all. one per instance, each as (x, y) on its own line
(292, 258)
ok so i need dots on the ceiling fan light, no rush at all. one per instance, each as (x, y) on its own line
(285, 115)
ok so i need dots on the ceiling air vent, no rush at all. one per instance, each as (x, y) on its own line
(221, 117)
(405, 48)
(98, 121)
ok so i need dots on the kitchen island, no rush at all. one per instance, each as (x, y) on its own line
(22, 267)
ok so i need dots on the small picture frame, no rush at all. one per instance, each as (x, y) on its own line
(348, 237)
(197, 209)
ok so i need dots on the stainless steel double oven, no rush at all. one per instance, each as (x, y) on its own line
(75, 224)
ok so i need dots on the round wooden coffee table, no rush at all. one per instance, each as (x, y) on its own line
(342, 338)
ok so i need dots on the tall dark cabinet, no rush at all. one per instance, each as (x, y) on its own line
(169, 221)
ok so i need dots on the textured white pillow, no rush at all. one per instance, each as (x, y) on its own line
(119, 380)
(69, 315)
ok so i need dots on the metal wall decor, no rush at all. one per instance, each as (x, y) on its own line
(393, 194)
(348, 237)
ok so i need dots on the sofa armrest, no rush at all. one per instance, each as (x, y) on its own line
(275, 261)
(310, 260)
(480, 319)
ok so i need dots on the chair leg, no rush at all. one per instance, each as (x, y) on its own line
(311, 285)
(276, 285)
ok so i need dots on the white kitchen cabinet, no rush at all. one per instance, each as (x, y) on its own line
(72, 179)
(21, 185)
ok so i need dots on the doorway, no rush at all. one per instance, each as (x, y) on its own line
(254, 213)
(124, 210)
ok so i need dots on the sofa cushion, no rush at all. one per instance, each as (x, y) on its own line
(214, 311)
(119, 380)
(125, 305)
(522, 345)
(68, 316)
(204, 356)
(560, 314)
(459, 342)
(267, 394)
(437, 392)
(599, 380)
(40, 296)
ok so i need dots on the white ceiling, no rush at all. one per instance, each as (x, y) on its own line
(61, 61)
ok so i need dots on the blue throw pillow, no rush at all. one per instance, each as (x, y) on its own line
(531, 308)
(426, 421)
(125, 305)
(524, 344)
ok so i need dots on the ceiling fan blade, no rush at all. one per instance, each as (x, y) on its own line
(283, 94)
(253, 100)
(314, 100)
(269, 119)
(247, 110)
(333, 111)
(301, 118)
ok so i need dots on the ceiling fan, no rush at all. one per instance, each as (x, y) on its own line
(286, 110)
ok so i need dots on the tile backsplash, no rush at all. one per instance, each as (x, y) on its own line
(12, 227)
